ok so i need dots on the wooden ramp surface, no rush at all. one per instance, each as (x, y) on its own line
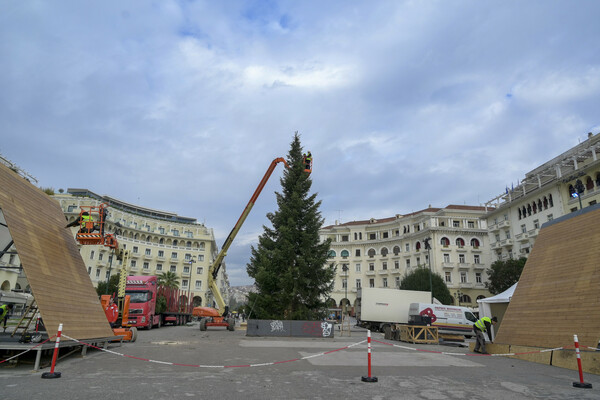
(56, 273)
(558, 294)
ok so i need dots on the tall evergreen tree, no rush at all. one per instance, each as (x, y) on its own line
(289, 264)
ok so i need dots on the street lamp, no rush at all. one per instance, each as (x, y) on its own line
(345, 269)
(191, 262)
(458, 294)
(428, 248)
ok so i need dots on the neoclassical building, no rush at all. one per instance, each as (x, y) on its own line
(380, 252)
(158, 242)
(546, 193)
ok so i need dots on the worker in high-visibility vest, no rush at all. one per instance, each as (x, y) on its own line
(83, 218)
(4, 309)
(481, 326)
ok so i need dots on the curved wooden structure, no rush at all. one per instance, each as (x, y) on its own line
(50, 258)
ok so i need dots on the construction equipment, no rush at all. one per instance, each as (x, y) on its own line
(218, 317)
(91, 221)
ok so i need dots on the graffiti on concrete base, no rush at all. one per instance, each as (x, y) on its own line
(277, 326)
(315, 328)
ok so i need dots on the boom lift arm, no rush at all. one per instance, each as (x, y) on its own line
(216, 265)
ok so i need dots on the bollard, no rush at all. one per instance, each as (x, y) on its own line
(52, 374)
(369, 378)
(581, 383)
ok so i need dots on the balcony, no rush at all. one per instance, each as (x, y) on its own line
(448, 265)
(506, 243)
(522, 237)
(533, 233)
(476, 249)
(383, 272)
(370, 272)
(134, 255)
(344, 273)
(478, 266)
(147, 256)
(463, 266)
(396, 271)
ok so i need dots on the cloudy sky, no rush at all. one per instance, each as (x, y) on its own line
(182, 105)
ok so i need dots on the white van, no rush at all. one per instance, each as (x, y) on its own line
(448, 319)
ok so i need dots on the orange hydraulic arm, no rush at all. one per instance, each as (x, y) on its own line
(214, 268)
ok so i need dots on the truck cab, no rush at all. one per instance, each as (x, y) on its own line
(142, 304)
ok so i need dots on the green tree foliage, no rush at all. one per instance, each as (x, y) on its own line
(419, 280)
(49, 191)
(108, 288)
(289, 264)
(503, 274)
(168, 279)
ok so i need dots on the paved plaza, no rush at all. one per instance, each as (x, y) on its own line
(183, 362)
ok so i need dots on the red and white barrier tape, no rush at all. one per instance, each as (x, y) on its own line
(471, 355)
(214, 366)
(28, 350)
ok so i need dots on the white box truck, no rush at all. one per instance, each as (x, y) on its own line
(381, 307)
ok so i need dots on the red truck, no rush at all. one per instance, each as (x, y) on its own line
(151, 305)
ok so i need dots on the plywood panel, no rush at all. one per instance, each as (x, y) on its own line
(50, 257)
(558, 294)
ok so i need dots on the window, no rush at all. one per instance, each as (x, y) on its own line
(186, 269)
(371, 266)
(71, 209)
(161, 253)
(550, 217)
(385, 235)
(97, 272)
(385, 282)
(100, 256)
(199, 270)
(445, 242)
(345, 238)
(148, 252)
(344, 283)
(461, 258)
(159, 267)
(174, 255)
(133, 264)
(408, 263)
(396, 264)
(135, 249)
(418, 260)
(396, 250)
(384, 252)
(398, 282)
(331, 254)
(358, 283)
(107, 275)
(523, 229)
(463, 277)
(89, 270)
(460, 242)
(189, 235)
(146, 266)
(345, 254)
(407, 247)
(184, 283)
(475, 243)
(175, 232)
(384, 265)
(371, 253)
(357, 267)
(173, 268)
(371, 282)
(198, 285)
(200, 257)
(478, 277)
(446, 258)
(92, 255)
(357, 253)
(187, 257)
(507, 234)
(497, 237)
(448, 276)
(456, 224)
(471, 224)
(161, 231)
(536, 224)
(476, 259)
(372, 236)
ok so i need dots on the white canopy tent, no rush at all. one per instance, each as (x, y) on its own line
(496, 306)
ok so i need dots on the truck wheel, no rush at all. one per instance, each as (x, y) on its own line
(230, 324)
(150, 321)
(203, 324)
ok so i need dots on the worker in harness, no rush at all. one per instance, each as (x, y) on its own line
(4, 309)
(481, 326)
(307, 161)
(81, 221)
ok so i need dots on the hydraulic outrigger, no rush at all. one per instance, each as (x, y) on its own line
(211, 316)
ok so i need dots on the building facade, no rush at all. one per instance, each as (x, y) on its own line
(379, 253)
(547, 192)
(157, 241)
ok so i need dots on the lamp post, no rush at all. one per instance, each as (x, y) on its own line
(428, 248)
(191, 262)
(458, 294)
(345, 269)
